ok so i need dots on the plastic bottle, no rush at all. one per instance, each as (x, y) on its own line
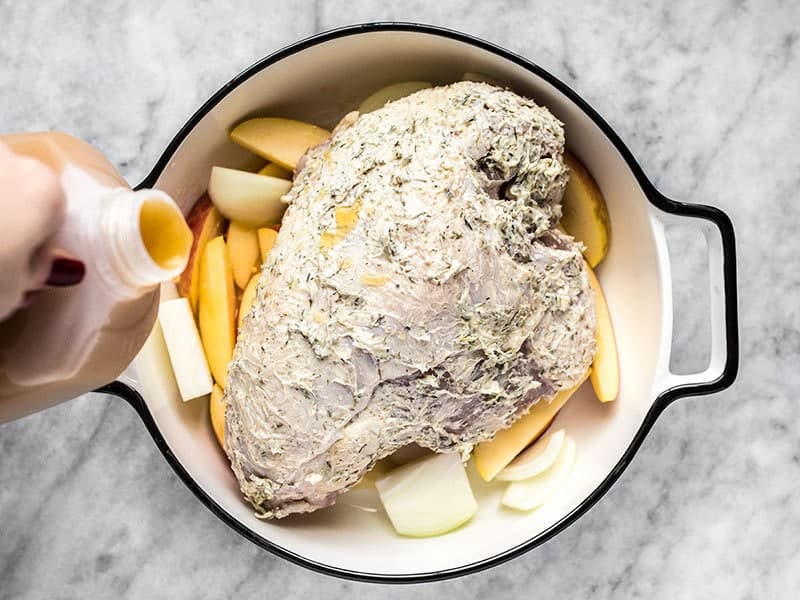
(74, 339)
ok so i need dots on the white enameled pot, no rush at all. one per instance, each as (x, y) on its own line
(319, 80)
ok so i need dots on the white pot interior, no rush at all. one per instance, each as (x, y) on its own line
(320, 84)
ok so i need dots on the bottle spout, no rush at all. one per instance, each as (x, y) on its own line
(148, 238)
(165, 234)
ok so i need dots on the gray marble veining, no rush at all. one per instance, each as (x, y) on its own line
(705, 95)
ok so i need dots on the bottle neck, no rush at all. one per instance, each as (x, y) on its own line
(144, 238)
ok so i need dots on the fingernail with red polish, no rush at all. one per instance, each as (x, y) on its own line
(66, 271)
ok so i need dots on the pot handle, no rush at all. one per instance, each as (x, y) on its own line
(724, 363)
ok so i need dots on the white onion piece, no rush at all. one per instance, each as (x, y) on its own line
(428, 497)
(536, 459)
(253, 200)
(532, 493)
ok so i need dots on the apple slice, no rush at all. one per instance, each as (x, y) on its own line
(243, 251)
(391, 92)
(248, 295)
(274, 170)
(205, 222)
(217, 307)
(605, 368)
(492, 457)
(584, 213)
(532, 493)
(216, 409)
(428, 497)
(266, 240)
(282, 141)
(184, 348)
(535, 459)
(253, 200)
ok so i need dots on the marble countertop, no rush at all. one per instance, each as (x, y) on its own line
(705, 95)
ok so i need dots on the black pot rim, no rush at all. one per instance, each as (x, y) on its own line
(708, 213)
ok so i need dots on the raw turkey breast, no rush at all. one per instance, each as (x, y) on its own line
(418, 292)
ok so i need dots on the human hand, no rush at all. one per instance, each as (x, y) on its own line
(32, 204)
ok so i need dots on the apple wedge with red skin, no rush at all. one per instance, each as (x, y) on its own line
(205, 223)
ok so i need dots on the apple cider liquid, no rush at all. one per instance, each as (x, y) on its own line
(74, 339)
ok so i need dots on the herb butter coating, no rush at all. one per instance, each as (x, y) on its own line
(417, 293)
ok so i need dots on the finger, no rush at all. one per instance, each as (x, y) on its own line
(33, 203)
(33, 193)
(40, 263)
(44, 199)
